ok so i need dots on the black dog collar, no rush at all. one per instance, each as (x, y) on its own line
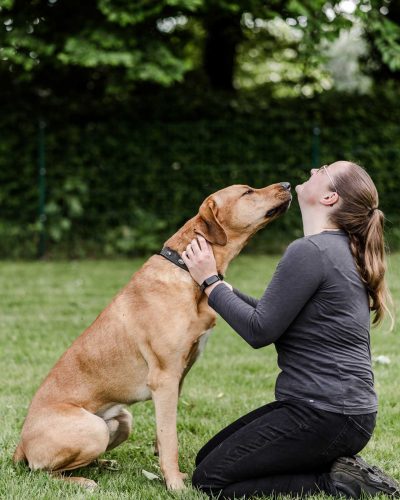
(174, 257)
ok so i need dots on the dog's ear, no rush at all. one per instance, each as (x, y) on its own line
(208, 225)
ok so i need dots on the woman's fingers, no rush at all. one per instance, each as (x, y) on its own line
(195, 246)
(199, 259)
(185, 258)
(189, 251)
(203, 244)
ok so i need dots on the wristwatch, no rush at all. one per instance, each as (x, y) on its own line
(209, 281)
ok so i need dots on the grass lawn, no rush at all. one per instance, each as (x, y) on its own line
(44, 306)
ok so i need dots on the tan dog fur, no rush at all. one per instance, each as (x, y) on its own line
(140, 347)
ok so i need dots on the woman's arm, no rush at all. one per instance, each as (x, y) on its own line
(251, 301)
(297, 277)
(199, 259)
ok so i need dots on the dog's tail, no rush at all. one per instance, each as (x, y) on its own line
(19, 455)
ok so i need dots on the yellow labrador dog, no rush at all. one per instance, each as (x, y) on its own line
(140, 347)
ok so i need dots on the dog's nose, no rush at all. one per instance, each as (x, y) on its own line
(286, 185)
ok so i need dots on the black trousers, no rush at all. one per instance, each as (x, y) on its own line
(283, 448)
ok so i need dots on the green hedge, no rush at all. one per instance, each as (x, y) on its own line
(122, 178)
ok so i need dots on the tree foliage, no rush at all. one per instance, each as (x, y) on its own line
(118, 44)
(382, 28)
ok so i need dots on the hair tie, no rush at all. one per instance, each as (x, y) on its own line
(372, 210)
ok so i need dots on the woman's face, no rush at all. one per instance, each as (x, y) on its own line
(319, 186)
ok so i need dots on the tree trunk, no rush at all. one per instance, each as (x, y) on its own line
(223, 35)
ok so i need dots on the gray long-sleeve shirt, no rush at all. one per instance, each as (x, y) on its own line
(316, 312)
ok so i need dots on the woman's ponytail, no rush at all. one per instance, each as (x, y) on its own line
(358, 214)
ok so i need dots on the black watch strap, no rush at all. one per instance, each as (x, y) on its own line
(209, 281)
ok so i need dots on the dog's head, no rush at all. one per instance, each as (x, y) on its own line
(240, 209)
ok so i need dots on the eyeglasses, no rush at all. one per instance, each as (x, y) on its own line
(323, 168)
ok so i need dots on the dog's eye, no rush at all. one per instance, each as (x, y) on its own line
(249, 191)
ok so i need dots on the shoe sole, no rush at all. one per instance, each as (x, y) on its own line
(384, 477)
(373, 478)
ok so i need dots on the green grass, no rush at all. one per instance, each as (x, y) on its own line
(44, 306)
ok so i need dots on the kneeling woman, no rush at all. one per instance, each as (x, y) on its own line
(316, 310)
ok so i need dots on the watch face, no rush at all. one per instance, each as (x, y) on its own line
(211, 280)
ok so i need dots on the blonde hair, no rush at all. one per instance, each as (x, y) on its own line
(358, 214)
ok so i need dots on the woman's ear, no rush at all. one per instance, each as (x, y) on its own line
(208, 224)
(329, 199)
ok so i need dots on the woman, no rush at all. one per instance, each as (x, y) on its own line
(316, 311)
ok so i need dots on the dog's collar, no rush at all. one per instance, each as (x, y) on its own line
(174, 257)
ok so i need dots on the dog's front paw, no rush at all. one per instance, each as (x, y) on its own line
(175, 482)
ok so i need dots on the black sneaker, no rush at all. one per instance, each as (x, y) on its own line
(354, 477)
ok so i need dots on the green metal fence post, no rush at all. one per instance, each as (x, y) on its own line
(316, 146)
(42, 187)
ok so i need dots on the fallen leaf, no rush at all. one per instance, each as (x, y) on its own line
(149, 475)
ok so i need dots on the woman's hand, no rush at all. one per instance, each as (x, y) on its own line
(199, 259)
